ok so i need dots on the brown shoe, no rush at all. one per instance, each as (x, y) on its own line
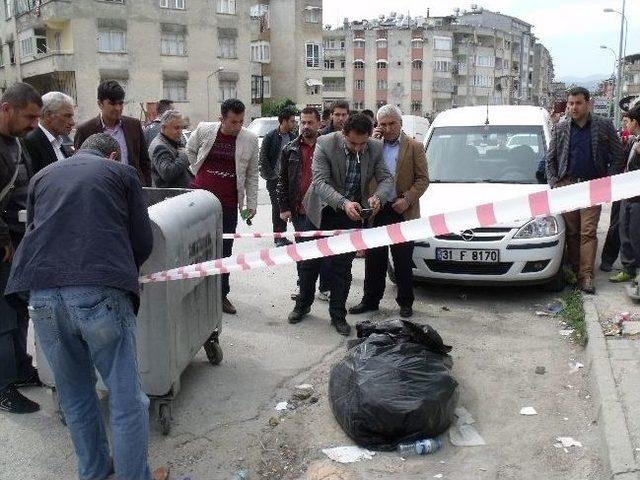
(161, 473)
(587, 285)
(227, 306)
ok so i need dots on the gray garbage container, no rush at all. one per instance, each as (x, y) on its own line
(177, 318)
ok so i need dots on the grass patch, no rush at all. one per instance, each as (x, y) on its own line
(573, 314)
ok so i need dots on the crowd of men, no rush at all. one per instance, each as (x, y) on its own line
(73, 267)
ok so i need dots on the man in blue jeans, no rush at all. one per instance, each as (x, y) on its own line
(88, 233)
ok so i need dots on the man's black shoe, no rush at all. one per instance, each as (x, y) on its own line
(606, 267)
(363, 307)
(406, 312)
(33, 380)
(297, 314)
(12, 401)
(342, 327)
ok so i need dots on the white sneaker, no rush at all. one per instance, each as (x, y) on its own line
(324, 296)
(295, 294)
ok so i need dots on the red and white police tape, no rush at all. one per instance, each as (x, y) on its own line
(538, 204)
(310, 233)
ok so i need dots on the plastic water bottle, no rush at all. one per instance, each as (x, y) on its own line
(420, 447)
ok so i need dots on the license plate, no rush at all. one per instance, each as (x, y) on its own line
(467, 255)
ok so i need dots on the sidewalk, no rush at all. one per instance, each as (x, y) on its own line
(614, 364)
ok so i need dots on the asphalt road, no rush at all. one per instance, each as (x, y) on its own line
(221, 416)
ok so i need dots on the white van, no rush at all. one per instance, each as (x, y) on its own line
(478, 155)
(416, 127)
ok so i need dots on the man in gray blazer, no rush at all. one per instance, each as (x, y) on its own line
(344, 163)
(583, 147)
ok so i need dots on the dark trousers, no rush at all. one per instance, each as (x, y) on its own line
(339, 270)
(15, 362)
(302, 224)
(627, 251)
(279, 225)
(377, 260)
(633, 211)
(611, 245)
(229, 225)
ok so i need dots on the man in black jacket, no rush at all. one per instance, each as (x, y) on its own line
(19, 112)
(152, 130)
(583, 147)
(88, 233)
(339, 115)
(272, 146)
(46, 144)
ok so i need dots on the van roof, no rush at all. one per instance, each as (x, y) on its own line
(498, 115)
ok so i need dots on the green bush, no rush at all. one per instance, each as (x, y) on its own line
(273, 108)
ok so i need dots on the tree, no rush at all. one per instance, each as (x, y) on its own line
(273, 108)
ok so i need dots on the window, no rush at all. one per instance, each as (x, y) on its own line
(416, 43)
(358, 105)
(480, 81)
(175, 90)
(381, 64)
(266, 87)
(227, 47)
(484, 61)
(329, 64)
(416, 106)
(442, 43)
(358, 64)
(416, 85)
(358, 43)
(256, 89)
(359, 85)
(12, 53)
(1, 54)
(313, 55)
(441, 65)
(113, 1)
(260, 52)
(416, 64)
(313, 15)
(382, 85)
(227, 7)
(334, 84)
(381, 43)
(173, 43)
(33, 42)
(228, 89)
(343, 64)
(112, 41)
(172, 4)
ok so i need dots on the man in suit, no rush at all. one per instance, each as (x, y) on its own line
(583, 147)
(46, 144)
(270, 151)
(126, 130)
(405, 158)
(224, 159)
(344, 164)
(19, 112)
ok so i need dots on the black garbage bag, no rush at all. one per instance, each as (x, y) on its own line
(395, 386)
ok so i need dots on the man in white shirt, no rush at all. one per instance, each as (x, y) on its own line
(45, 144)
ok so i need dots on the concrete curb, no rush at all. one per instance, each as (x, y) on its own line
(617, 448)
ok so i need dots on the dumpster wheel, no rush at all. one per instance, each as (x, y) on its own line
(214, 351)
(164, 418)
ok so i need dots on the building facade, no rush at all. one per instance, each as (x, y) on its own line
(631, 76)
(427, 64)
(196, 53)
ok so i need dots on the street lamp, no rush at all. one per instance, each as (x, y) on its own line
(621, 53)
(208, 91)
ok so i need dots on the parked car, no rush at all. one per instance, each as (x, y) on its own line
(263, 125)
(479, 155)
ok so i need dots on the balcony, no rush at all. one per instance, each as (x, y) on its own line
(28, 16)
(47, 62)
(443, 87)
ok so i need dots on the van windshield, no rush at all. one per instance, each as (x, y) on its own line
(496, 154)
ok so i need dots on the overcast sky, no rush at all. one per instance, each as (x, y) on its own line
(572, 30)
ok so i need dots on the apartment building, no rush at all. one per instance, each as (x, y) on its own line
(427, 64)
(194, 52)
(631, 76)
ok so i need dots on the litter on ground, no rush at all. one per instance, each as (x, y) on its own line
(348, 454)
